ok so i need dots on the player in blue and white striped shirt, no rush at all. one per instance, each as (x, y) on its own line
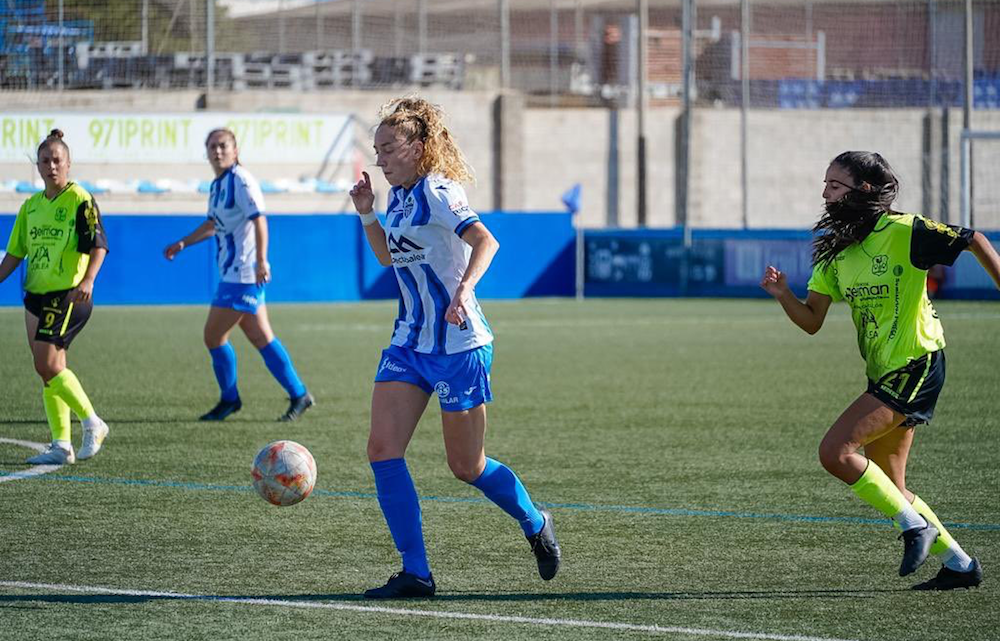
(441, 345)
(235, 218)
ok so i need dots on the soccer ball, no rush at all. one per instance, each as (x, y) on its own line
(284, 473)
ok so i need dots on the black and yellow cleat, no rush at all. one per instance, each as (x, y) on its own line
(917, 544)
(948, 579)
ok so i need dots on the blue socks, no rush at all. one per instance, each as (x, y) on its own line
(224, 365)
(279, 363)
(398, 499)
(500, 485)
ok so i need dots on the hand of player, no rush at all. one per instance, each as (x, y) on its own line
(173, 249)
(774, 282)
(82, 292)
(457, 312)
(362, 194)
(263, 273)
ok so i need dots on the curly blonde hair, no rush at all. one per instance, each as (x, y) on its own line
(418, 119)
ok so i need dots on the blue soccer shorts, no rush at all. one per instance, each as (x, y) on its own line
(460, 381)
(243, 297)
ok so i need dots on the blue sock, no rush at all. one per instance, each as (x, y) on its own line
(279, 363)
(224, 364)
(398, 499)
(500, 485)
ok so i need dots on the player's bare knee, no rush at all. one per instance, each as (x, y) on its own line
(464, 470)
(381, 450)
(833, 456)
(47, 370)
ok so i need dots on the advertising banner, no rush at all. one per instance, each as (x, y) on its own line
(179, 138)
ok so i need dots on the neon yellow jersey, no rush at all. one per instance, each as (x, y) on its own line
(884, 280)
(56, 237)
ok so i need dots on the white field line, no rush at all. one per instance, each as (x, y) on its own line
(435, 614)
(31, 471)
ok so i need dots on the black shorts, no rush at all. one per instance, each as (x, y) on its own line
(912, 390)
(59, 321)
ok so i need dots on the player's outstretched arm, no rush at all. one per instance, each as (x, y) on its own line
(8, 265)
(808, 315)
(203, 231)
(987, 256)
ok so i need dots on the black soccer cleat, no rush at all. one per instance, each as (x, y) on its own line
(948, 579)
(917, 544)
(403, 585)
(546, 548)
(297, 407)
(222, 410)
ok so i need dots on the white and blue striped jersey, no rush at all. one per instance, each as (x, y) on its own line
(234, 200)
(423, 229)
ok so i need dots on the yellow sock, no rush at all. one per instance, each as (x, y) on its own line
(877, 490)
(944, 540)
(57, 411)
(66, 386)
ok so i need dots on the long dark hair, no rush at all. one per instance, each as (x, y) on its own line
(850, 219)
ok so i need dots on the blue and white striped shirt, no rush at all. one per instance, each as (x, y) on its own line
(423, 232)
(234, 200)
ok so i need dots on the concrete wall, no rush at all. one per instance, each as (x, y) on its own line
(544, 151)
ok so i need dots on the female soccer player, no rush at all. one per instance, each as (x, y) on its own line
(877, 260)
(236, 219)
(441, 344)
(59, 231)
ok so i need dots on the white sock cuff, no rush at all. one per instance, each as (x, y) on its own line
(908, 518)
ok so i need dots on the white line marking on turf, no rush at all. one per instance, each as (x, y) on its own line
(31, 471)
(437, 614)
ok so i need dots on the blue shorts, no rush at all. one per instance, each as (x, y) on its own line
(243, 297)
(461, 381)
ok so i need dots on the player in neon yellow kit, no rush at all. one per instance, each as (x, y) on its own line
(59, 232)
(877, 259)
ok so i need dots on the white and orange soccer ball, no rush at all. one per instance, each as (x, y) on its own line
(284, 473)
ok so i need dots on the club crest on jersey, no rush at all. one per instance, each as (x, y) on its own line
(442, 388)
(880, 264)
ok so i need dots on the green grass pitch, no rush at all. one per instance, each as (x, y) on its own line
(675, 441)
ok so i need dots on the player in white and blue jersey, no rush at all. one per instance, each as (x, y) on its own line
(441, 344)
(236, 219)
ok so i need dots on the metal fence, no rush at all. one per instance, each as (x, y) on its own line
(800, 54)
(799, 72)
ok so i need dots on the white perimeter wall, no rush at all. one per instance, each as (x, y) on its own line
(788, 154)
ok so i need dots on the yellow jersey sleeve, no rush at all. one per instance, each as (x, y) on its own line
(824, 281)
(17, 245)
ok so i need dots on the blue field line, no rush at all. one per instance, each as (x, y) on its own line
(622, 509)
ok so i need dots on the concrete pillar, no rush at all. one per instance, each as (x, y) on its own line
(508, 153)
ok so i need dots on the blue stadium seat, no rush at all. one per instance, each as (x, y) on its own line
(149, 187)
